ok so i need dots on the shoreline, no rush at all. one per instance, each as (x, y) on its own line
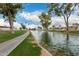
(44, 52)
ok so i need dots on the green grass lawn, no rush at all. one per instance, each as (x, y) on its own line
(57, 30)
(64, 31)
(26, 48)
(7, 35)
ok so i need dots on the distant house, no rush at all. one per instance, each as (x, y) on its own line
(76, 26)
(4, 28)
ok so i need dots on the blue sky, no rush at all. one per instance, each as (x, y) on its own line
(31, 11)
(31, 7)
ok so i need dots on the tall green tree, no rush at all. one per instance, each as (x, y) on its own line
(9, 11)
(64, 9)
(45, 20)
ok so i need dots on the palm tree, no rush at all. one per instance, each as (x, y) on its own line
(9, 11)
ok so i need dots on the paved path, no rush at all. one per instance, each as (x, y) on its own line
(8, 46)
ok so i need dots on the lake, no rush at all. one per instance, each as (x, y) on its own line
(57, 44)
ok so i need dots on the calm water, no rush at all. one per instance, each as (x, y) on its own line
(57, 43)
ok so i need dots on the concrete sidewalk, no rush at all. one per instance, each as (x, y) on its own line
(10, 45)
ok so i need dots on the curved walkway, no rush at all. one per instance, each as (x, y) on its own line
(8, 46)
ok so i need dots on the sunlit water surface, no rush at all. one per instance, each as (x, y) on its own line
(57, 44)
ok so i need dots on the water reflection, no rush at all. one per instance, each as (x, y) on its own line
(58, 43)
(45, 41)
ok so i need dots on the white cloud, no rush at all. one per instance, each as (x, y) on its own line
(31, 26)
(37, 12)
(3, 23)
(74, 19)
(30, 16)
(17, 25)
(60, 20)
(33, 16)
(55, 20)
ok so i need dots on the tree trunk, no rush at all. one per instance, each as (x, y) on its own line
(10, 22)
(11, 26)
(67, 37)
(45, 39)
(67, 30)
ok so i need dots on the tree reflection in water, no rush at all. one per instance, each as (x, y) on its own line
(45, 39)
(67, 49)
(57, 50)
(62, 50)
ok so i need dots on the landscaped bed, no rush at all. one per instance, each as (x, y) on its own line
(7, 35)
(27, 48)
